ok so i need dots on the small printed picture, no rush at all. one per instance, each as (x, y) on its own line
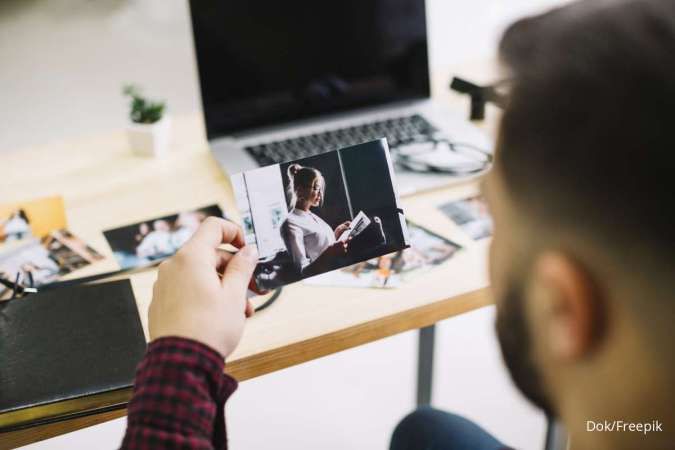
(142, 243)
(31, 219)
(69, 251)
(427, 250)
(471, 215)
(320, 213)
(35, 262)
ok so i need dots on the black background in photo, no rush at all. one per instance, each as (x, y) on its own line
(371, 189)
(367, 185)
(123, 239)
(334, 209)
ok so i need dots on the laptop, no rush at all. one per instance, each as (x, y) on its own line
(285, 80)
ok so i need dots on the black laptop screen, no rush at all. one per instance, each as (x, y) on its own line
(264, 62)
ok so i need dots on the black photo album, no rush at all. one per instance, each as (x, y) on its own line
(67, 351)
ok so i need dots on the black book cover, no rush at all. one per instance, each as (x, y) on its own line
(65, 344)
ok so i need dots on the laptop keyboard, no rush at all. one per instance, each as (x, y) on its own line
(397, 130)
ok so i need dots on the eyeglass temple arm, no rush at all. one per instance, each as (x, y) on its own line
(480, 95)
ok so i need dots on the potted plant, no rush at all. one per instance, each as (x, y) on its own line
(149, 129)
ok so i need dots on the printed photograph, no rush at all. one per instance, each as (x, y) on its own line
(34, 218)
(142, 243)
(471, 215)
(427, 250)
(320, 213)
(35, 262)
(69, 251)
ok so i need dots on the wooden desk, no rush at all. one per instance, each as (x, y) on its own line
(104, 186)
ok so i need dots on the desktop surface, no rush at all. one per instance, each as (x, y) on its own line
(111, 187)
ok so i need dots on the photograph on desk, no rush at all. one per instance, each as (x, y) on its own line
(35, 262)
(142, 243)
(471, 215)
(33, 218)
(320, 213)
(427, 250)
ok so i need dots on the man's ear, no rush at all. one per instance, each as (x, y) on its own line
(565, 306)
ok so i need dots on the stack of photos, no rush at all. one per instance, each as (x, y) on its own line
(35, 247)
(471, 215)
(427, 250)
(321, 213)
(42, 261)
(145, 243)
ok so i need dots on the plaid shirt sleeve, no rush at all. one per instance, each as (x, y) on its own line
(179, 398)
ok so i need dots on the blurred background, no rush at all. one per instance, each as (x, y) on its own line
(63, 65)
(64, 61)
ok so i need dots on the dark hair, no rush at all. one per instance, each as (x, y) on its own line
(587, 137)
(22, 213)
(299, 178)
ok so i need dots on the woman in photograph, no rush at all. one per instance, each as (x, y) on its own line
(308, 236)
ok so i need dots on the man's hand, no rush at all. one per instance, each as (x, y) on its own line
(189, 297)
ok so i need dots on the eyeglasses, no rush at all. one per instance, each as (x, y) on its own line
(18, 288)
(438, 154)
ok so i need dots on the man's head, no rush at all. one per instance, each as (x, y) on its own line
(583, 256)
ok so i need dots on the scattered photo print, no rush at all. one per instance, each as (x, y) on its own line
(69, 252)
(142, 243)
(427, 250)
(35, 262)
(31, 219)
(321, 213)
(472, 216)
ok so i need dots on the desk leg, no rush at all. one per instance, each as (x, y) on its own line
(556, 436)
(425, 365)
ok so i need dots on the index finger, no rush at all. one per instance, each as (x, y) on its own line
(215, 231)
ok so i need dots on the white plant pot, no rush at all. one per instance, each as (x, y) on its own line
(150, 139)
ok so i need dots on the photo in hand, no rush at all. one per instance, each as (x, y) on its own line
(320, 213)
(145, 242)
(427, 250)
(471, 215)
(42, 261)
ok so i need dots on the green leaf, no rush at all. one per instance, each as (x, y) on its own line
(142, 110)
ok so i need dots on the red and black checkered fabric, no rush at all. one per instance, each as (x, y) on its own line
(179, 398)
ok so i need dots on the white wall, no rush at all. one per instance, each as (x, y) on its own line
(63, 63)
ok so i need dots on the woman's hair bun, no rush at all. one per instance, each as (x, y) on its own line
(293, 169)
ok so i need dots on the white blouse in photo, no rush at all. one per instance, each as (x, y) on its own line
(307, 236)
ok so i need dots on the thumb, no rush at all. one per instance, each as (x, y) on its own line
(239, 269)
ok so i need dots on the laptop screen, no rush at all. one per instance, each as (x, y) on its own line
(266, 62)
